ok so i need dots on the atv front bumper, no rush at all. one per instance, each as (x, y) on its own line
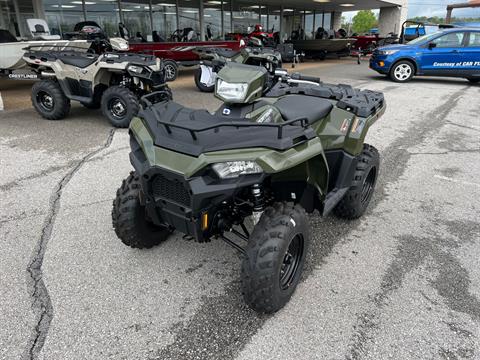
(192, 206)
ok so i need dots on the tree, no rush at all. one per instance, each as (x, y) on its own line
(364, 21)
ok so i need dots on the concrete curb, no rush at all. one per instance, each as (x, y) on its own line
(1, 102)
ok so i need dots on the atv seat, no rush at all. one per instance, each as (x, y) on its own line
(80, 61)
(228, 53)
(296, 106)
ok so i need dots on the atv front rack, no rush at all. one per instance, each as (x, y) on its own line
(235, 122)
(194, 132)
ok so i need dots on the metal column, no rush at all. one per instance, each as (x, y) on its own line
(119, 4)
(268, 17)
(177, 14)
(231, 16)
(304, 22)
(150, 10)
(3, 24)
(84, 10)
(222, 25)
(202, 20)
(281, 24)
(17, 18)
(313, 25)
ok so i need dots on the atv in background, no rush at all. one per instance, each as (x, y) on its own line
(212, 61)
(279, 147)
(113, 82)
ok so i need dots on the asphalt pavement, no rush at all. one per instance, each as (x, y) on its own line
(403, 282)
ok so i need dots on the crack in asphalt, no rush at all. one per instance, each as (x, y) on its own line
(238, 324)
(41, 302)
(397, 155)
(449, 151)
(53, 169)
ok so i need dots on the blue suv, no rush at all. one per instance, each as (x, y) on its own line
(452, 52)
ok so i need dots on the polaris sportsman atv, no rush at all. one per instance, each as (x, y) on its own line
(280, 147)
(213, 60)
(113, 82)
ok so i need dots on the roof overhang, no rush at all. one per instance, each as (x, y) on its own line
(330, 5)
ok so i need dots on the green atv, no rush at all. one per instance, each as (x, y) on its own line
(212, 61)
(281, 146)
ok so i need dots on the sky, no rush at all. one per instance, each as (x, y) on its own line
(432, 8)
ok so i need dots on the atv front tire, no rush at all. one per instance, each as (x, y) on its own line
(357, 198)
(275, 256)
(129, 219)
(49, 100)
(201, 86)
(119, 106)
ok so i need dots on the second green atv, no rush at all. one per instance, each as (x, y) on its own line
(281, 146)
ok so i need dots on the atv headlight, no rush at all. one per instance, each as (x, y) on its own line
(387, 52)
(232, 169)
(135, 69)
(231, 91)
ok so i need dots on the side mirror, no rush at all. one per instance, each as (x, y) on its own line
(432, 45)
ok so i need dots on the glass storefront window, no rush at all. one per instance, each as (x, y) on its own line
(227, 23)
(105, 13)
(62, 15)
(309, 31)
(188, 13)
(136, 17)
(245, 17)
(327, 21)
(212, 19)
(273, 19)
(164, 19)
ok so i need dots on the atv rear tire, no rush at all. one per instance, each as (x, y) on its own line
(202, 87)
(171, 70)
(119, 106)
(129, 220)
(402, 71)
(275, 256)
(357, 198)
(49, 100)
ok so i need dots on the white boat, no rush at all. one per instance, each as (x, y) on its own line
(12, 50)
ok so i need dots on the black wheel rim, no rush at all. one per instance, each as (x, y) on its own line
(368, 185)
(291, 262)
(45, 100)
(117, 108)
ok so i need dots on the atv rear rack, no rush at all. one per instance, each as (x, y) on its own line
(235, 122)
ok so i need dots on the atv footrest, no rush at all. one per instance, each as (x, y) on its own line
(332, 199)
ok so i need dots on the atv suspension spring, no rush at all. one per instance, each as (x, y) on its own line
(258, 198)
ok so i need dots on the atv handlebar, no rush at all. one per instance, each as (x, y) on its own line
(298, 76)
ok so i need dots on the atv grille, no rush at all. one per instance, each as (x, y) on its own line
(173, 190)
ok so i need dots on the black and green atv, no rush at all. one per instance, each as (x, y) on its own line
(280, 147)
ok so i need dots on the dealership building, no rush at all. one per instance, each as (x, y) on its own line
(212, 17)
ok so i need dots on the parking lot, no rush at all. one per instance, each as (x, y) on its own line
(403, 282)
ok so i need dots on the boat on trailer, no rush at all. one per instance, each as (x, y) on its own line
(12, 49)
